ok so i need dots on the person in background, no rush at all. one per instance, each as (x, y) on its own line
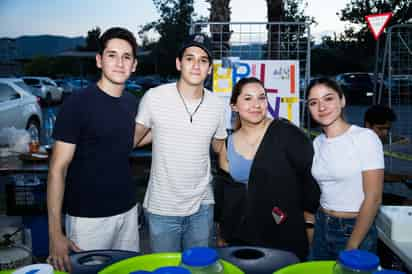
(89, 167)
(265, 185)
(183, 119)
(348, 166)
(379, 118)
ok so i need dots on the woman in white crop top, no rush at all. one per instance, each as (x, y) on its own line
(348, 165)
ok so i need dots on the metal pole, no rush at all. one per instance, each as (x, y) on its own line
(382, 83)
(307, 80)
(375, 81)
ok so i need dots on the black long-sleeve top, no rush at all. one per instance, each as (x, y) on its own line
(280, 176)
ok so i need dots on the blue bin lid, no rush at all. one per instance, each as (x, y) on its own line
(171, 270)
(359, 259)
(199, 256)
(387, 271)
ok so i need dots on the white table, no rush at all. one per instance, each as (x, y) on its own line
(402, 249)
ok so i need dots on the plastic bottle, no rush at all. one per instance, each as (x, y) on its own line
(171, 270)
(202, 260)
(49, 126)
(34, 143)
(356, 262)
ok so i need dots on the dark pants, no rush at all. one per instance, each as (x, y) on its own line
(332, 234)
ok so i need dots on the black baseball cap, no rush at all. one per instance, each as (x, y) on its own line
(197, 40)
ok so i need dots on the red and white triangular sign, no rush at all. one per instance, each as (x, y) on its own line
(378, 22)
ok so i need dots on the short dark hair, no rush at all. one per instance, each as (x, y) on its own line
(119, 33)
(379, 114)
(328, 82)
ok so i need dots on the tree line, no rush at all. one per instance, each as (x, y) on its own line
(352, 50)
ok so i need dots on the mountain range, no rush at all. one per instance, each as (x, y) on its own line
(27, 47)
(45, 45)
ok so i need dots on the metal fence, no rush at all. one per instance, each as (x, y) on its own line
(396, 87)
(262, 41)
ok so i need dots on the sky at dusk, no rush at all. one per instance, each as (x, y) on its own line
(75, 17)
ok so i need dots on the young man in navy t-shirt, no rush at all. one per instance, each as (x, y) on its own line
(89, 168)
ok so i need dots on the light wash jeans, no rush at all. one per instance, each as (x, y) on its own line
(176, 233)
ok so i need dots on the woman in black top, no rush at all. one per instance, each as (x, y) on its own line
(264, 207)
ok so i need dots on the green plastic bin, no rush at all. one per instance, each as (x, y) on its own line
(314, 267)
(151, 262)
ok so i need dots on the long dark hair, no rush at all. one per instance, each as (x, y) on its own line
(237, 89)
(332, 84)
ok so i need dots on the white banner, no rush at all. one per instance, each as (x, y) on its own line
(280, 78)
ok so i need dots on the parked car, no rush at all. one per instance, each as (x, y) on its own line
(65, 85)
(45, 88)
(133, 87)
(18, 107)
(147, 82)
(79, 83)
(357, 86)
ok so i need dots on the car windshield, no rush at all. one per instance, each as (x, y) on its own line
(31, 82)
(23, 85)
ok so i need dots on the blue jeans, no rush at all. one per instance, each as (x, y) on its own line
(176, 233)
(332, 234)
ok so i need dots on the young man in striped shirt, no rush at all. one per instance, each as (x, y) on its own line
(184, 119)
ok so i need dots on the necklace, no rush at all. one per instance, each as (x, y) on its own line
(191, 114)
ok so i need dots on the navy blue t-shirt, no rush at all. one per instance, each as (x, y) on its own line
(98, 180)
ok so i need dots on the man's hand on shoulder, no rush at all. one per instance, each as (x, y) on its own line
(142, 135)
